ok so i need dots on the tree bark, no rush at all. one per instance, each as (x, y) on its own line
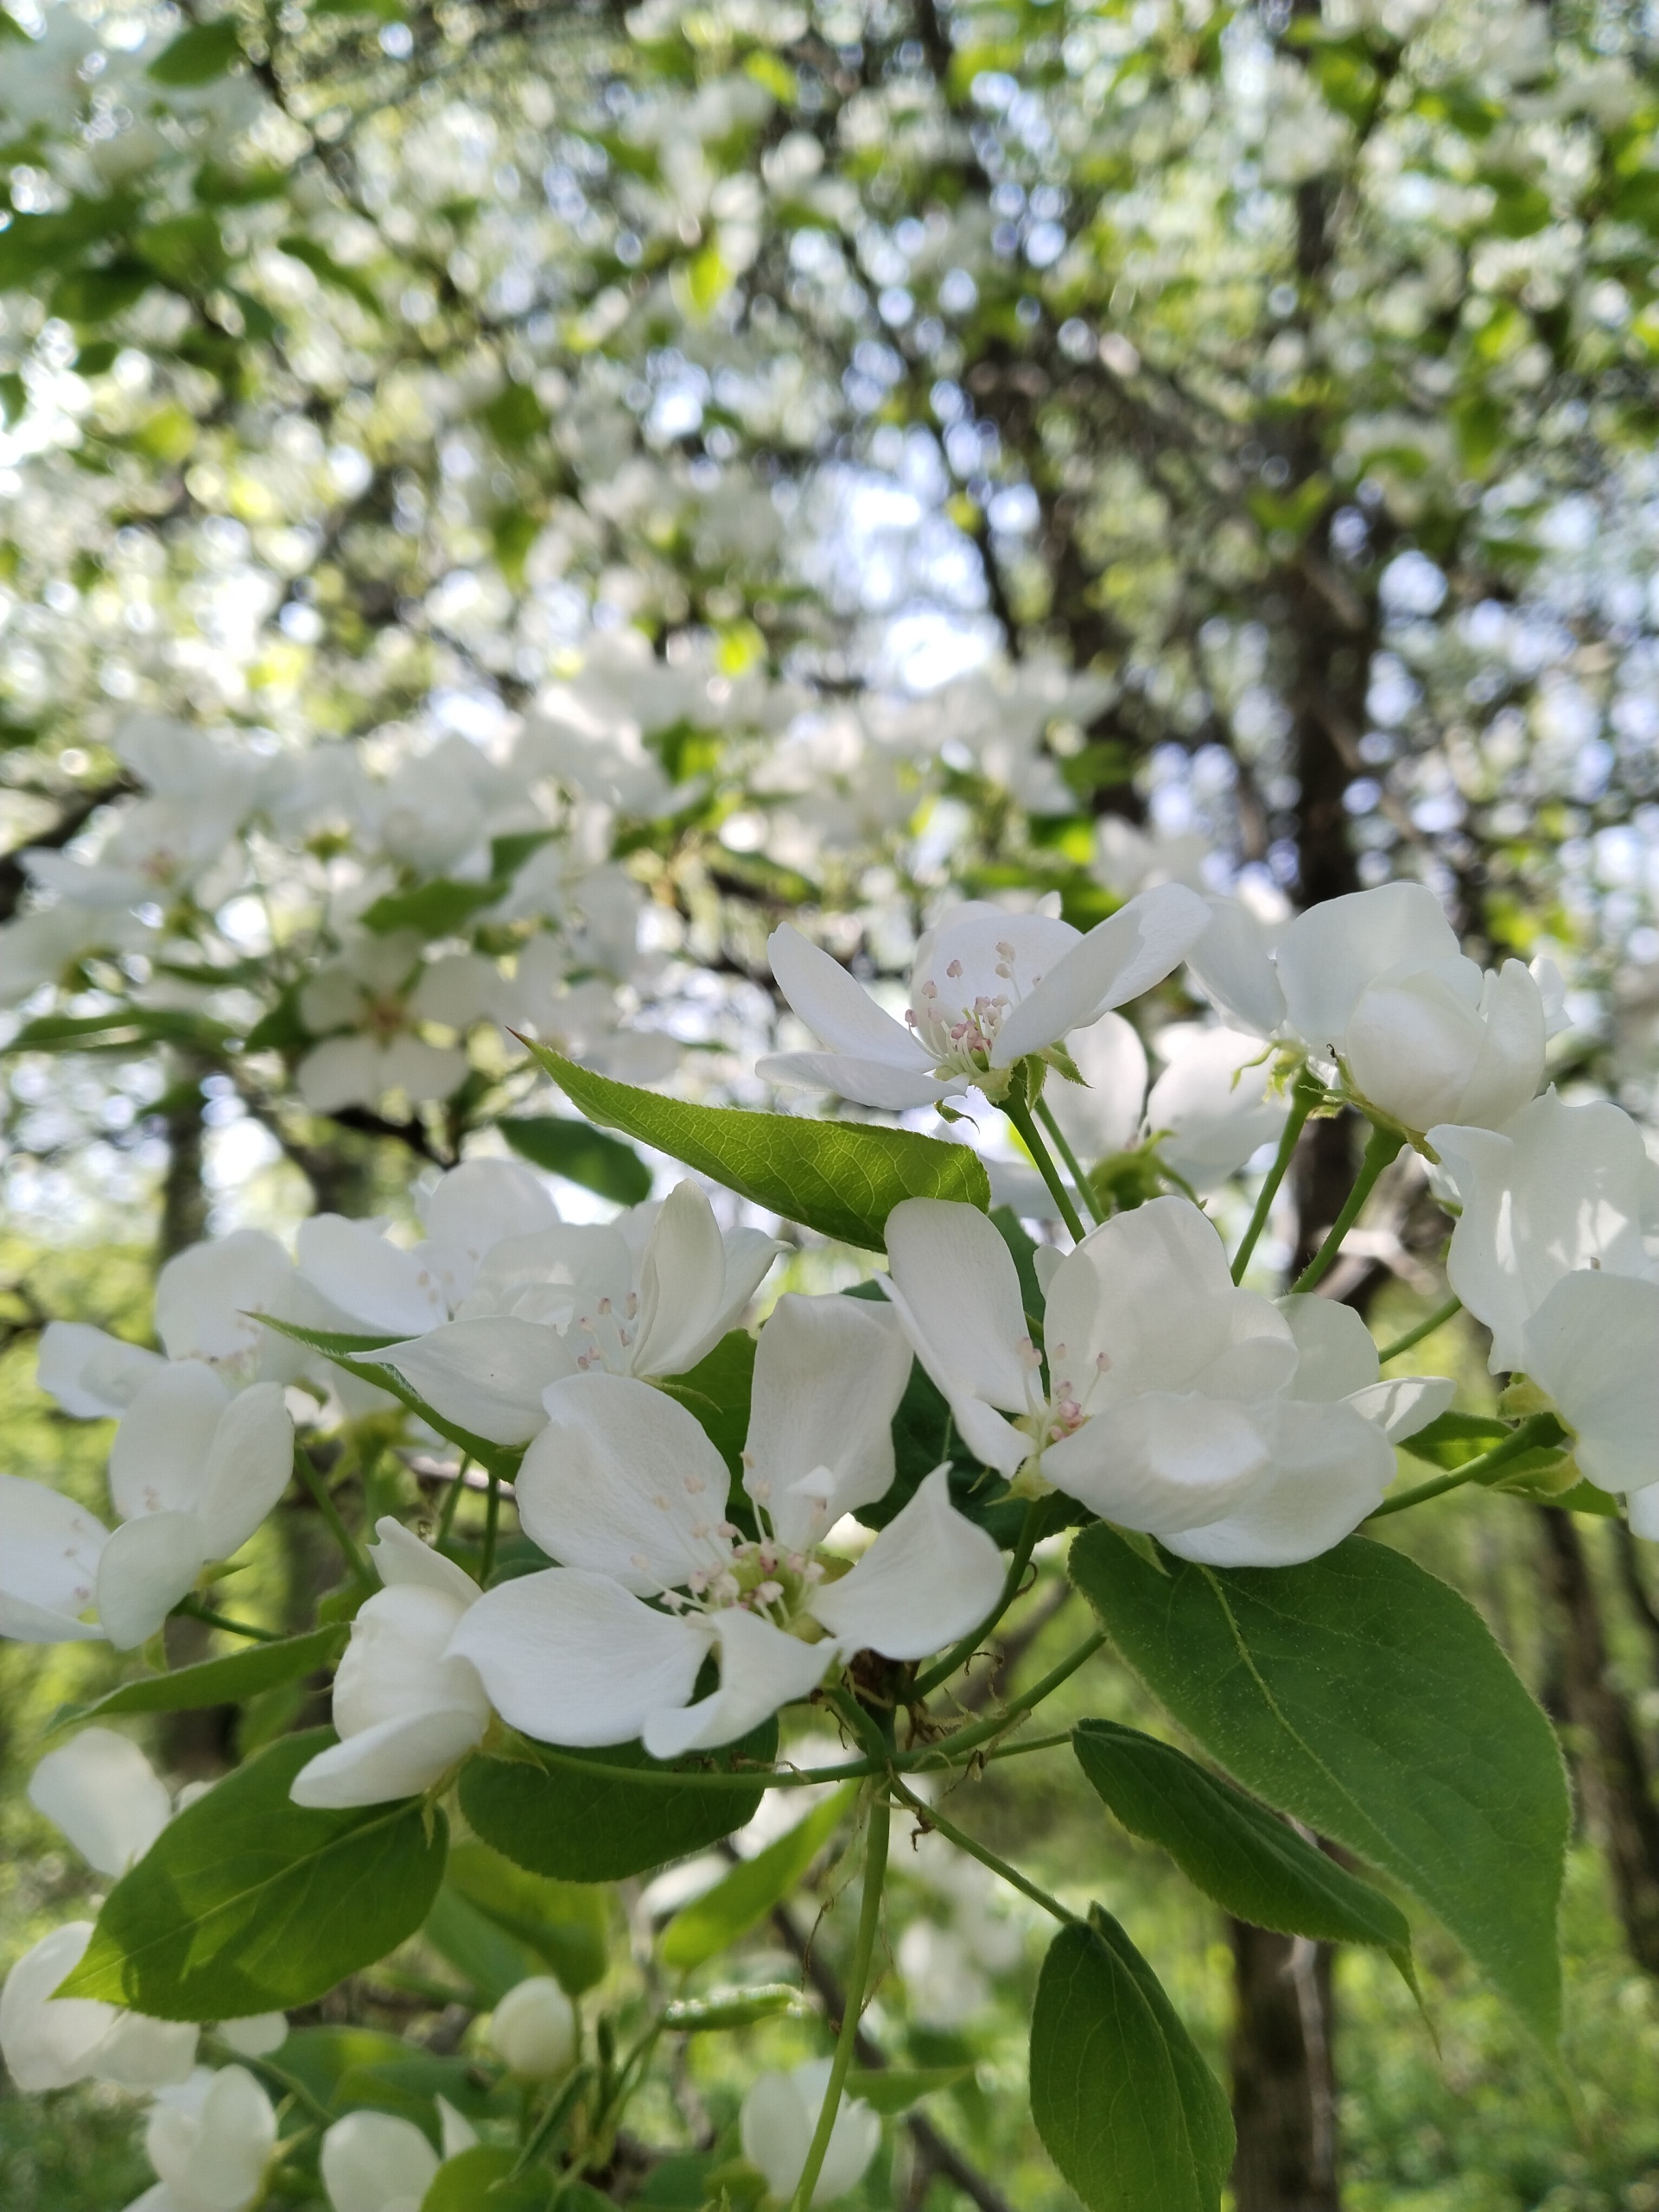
(1606, 1746)
(1284, 2083)
(184, 1197)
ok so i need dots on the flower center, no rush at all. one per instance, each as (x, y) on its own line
(958, 1034)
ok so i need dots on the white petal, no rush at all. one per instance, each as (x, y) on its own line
(487, 1376)
(1104, 1117)
(1401, 1408)
(959, 1299)
(1510, 1066)
(572, 1658)
(247, 1470)
(146, 2054)
(1329, 953)
(927, 1579)
(1336, 1352)
(1641, 1510)
(90, 1373)
(761, 1670)
(1414, 1044)
(1329, 1469)
(828, 1375)
(778, 2120)
(749, 1253)
(147, 1566)
(256, 2035)
(1215, 1106)
(46, 2045)
(235, 2133)
(455, 2130)
(344, 1072)
(1119, 958)
(364, 1274)
(205, 1297)
(1594, 1346)
(401, 1560)
(624, 1481)
(840, 1011)
(1162, 1463)
(371, 2158)
(160, 1450)
(682, 1282)
(458, 991)
(475, 1205)
(50, 1550)
(1232, 964)
(422, 1070)
(103, 1794)
(397, 1665)
(866, 1082)
(395, 1758)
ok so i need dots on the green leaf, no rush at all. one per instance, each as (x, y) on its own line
(198, 56)
(514, 417)
(734, 2008)
(486, 1956)
(435, 909)
(249, 1903)
(217, 1681)
(1363, 1696)
(345, 2068)
(717, 1391)
(842, 1178)
(565, 1923)
(1233, 1849)
(581, 1153)
(186, 250)
(1451, 1438)
(478, 2181)
(894, 2089)
(348, 1352)
(576, 1815)
(120, 1029)
(713, 1921)
(1127, 2109)
(323, 266)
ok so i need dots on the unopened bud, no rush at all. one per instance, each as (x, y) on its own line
(534, 2030)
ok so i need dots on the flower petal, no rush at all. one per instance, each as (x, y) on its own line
(90, 1373)
(682, 1282)
(1332, 953)
(402, 1562)
(1336, 1353)
(625, 1482)
(828, 1375)
(486, 1376)
(368, 1276)
(1119, 958)
(1102, 1117)
(247, 1470)
(836, 1008)
(343, 1071)
(866, 1082)
(1232, 966)
(474, 1206)
(400, 1757)
(927, 1579)
(207, 1295)
(1162, 1462)
(958, 1296)
(160, 1450)
(147, 1566)
(50, 1550)
(103, 1794)
(371, 2160)
(571, 1658)
(1328, 1469)
(1409, 1403)
(761, 1669)
(1594, 1346)
(47, 2045)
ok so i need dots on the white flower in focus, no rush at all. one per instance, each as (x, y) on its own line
(403, 1710)
(374, 2162)
(210, 2140)
(1374, 988)
(378, 994)
(625, 1490)
(103, 1794)
(1556, 1190)
(987, 988)
(1237, 1431)
(50, 2042)
(533, 2029)
(647, 1294)
(779, 2116)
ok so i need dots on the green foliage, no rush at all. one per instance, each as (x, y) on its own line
(1364, 1697)
(565, 1923)
(218, 1681)
(842, 1178)
(1252, 1864)
(713, 1921)
(482, 2177)
(718, 1390)
(248, 1903)
(577, 1817)
(581, 1153)
(1127, 2109)
(196, 56)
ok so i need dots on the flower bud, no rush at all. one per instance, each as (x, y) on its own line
(534, 2031)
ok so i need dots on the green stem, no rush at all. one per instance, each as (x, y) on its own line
(451, 1503)
(1030, 1744)
(553, 2120)
(869, 1923)
(1383, 1146)
(1031, 1531)
(1437, 1320)
(193, 1609)
(966, 1739)
(1305, 1096)
(1081, 1182)
(963, 1841)
(1020, 1114)
(1536, 1430)
(325, 1504)
(491, 1525)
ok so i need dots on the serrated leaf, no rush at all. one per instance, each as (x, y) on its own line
(248, 1903)
(842, 1178)
(716, 1920)
(230, 1681)
(1360, 1695)
(581, 1153)
(1248, 1861)
(578, 1816)
(1127, 2109)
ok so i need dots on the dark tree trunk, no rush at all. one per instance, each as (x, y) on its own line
(1607, 1754)
(184, 1199)
(1284, 2088)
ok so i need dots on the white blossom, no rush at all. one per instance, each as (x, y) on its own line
(776, 2123)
